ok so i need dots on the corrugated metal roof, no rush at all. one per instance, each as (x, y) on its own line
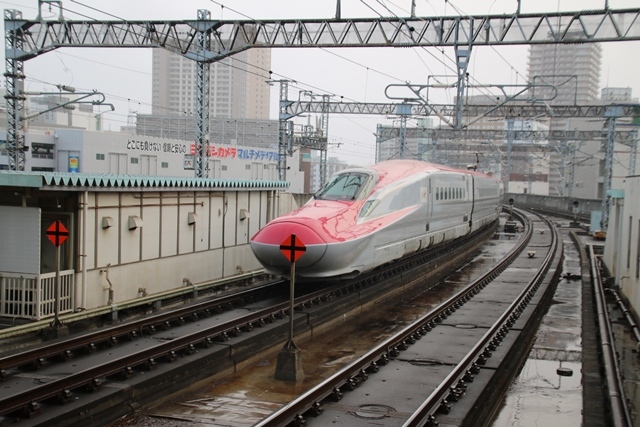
(64, 179)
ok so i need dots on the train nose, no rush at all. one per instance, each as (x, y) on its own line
(266, 245)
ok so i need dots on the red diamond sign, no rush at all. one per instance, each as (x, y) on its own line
(292, 248)
(57, 233)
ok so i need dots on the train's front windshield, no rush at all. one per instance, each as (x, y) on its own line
(344, 186)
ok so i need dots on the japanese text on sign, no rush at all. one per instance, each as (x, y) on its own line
(239, 153)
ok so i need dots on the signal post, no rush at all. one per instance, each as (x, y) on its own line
(289, 365)
(57, 233)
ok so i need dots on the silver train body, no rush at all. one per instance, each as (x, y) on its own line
(366, 217)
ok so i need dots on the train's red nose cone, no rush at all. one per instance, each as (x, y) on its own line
(266, 244)
(276, 233)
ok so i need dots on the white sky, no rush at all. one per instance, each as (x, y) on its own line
(124, 75)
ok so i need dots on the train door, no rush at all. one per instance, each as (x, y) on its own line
(430, 201)
(471, 185)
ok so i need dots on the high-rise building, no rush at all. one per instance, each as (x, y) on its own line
(238, 87)
(573, 69)
(571, 73)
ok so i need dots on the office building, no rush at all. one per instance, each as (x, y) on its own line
(238, 87)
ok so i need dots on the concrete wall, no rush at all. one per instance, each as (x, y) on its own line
(554, 203)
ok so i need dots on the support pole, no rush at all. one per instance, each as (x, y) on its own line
(611, 113)
(283, 127)
(14, 74)
(289, 364)
(634, 152)
(324, 123)
(56, 329)
(292, 287)
(463, 55)
(202, 98)
(403, 135)
(56, 319)
(510, 122)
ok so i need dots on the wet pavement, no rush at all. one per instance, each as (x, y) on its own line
(252, 393)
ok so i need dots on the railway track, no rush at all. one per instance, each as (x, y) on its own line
(40, 385)
(485, 330)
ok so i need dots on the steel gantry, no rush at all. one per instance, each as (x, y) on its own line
(205, 41)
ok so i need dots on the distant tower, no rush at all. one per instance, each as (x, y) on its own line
(238, 85)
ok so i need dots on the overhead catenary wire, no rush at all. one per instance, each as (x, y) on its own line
(244, 62)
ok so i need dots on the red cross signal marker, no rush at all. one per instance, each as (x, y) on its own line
(57, 233)
(292, 248)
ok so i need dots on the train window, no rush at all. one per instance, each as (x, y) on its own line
(344, 186)
(368, 207)
(391, 199)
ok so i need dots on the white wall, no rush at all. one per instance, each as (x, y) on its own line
(622, 246)
(164, 249)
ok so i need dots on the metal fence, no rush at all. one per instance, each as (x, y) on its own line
(33, 296)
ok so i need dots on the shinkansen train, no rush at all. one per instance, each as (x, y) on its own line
(366, 217)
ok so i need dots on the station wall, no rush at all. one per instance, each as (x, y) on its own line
(156, 241)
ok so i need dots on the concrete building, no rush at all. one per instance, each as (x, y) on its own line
(310, 165)
(128, 237)
(622, 247)
(574, 71)
(228, 131)
(74, 115)
(238, 87)
(530, 160)
(611, 95)
(415, 147)
(112, 153)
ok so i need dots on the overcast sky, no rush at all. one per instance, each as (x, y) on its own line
(124, 75)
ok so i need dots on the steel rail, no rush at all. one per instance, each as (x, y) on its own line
(619, 416)
(425, 415)
(169, 350)
(27, 401)
(208, 287)
(130, 330)
(64, 349)
(357, 371)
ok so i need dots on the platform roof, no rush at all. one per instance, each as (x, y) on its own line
(82, 182)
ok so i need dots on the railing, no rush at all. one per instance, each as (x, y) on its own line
(33, 296)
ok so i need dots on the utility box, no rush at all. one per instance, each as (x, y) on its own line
(511, 227)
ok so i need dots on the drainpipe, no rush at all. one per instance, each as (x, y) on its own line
(85, 212)
(106, 271)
